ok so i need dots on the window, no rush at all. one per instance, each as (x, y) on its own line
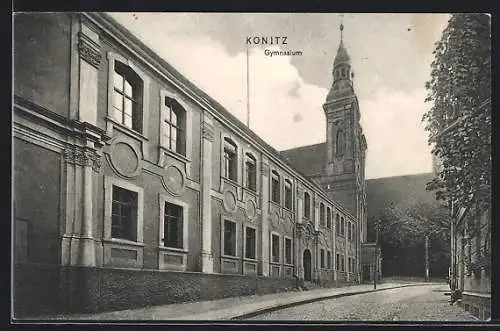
(288, 194)
(230, 159)
(349, 264)
(322, 252)
(288, 251)
(229, 238)
(349, 233)
(275, 242)
(174, 126)
(251, 172)
(322, 214)
(250, 241)
(173, 226)
(127, 97)
(307, 205)
(329, 259)
(328, 218)
(342, 226)
(124, 214)
(342, 262)
(337, 262)
(353, 265)
(275, 187)
(337, 224)
(340, 143)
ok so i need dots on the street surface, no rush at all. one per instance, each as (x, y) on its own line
(414, 303)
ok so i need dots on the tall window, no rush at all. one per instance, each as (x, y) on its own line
(275, 187)
(342, 226)
(251, 172)
(337, 262)
(349, 264)
(230, 159)
(174, 126)
(127, 97)
(322, 252)
(349, 233)
(337, 224)
(329, 259)
(124, 214)
(288, 194)
(342, 262)
(307, 205)
(173, 227)
(250, 241)
(340, 143)
(275, 242)
(229, 238)
(288, 251)
(328, 218)
(322, 214)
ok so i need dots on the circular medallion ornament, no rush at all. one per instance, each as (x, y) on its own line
(229, 201)
(125, 159)
(174, 180)
(250, 209)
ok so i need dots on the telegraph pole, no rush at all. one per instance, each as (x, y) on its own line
(375, 257)
(426, 257)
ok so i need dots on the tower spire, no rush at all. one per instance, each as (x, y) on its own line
(341, 26)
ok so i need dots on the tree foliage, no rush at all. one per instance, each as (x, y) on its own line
(460, 93)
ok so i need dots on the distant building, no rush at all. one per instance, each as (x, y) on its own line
(133, 187)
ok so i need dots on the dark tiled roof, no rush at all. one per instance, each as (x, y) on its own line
(309, 160)
(403, 190)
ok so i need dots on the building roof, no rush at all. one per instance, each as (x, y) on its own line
(403, 190)
(342, 56)
(309, 160)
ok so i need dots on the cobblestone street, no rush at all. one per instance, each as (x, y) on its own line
(416, 303)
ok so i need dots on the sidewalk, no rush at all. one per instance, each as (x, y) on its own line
(230, 308)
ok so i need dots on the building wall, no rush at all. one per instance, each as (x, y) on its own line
(42, 58)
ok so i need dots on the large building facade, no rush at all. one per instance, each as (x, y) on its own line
(123, 168)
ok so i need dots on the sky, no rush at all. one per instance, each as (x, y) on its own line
(390, 56)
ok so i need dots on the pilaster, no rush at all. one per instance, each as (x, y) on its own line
(265, 212)
(207, 261)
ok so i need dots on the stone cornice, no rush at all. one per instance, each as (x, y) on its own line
(83, 156)
(89, 50)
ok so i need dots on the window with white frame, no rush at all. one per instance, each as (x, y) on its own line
(173, 227)
(322, 259)
(229, 238)
(124, 214)
(275, 248)
(328, 218)
(329, 259)
(288, 251)
(250, 243)
(288, 194)
(173, 126)
(337, 224)
(275, 186)
(322, 214)
(307, 205)
(251, 172)
(127, 96)
(230, 159)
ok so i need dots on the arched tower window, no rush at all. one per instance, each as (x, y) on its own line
(340, 143)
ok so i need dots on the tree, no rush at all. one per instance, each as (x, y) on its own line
(459, 121)
(404, 230)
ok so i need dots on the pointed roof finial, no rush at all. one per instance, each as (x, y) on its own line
(341, 26)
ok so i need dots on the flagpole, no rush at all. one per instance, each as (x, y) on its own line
(248, 91)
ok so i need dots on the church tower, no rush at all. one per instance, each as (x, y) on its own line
(345, 141)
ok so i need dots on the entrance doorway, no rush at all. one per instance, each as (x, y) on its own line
(307, 265)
